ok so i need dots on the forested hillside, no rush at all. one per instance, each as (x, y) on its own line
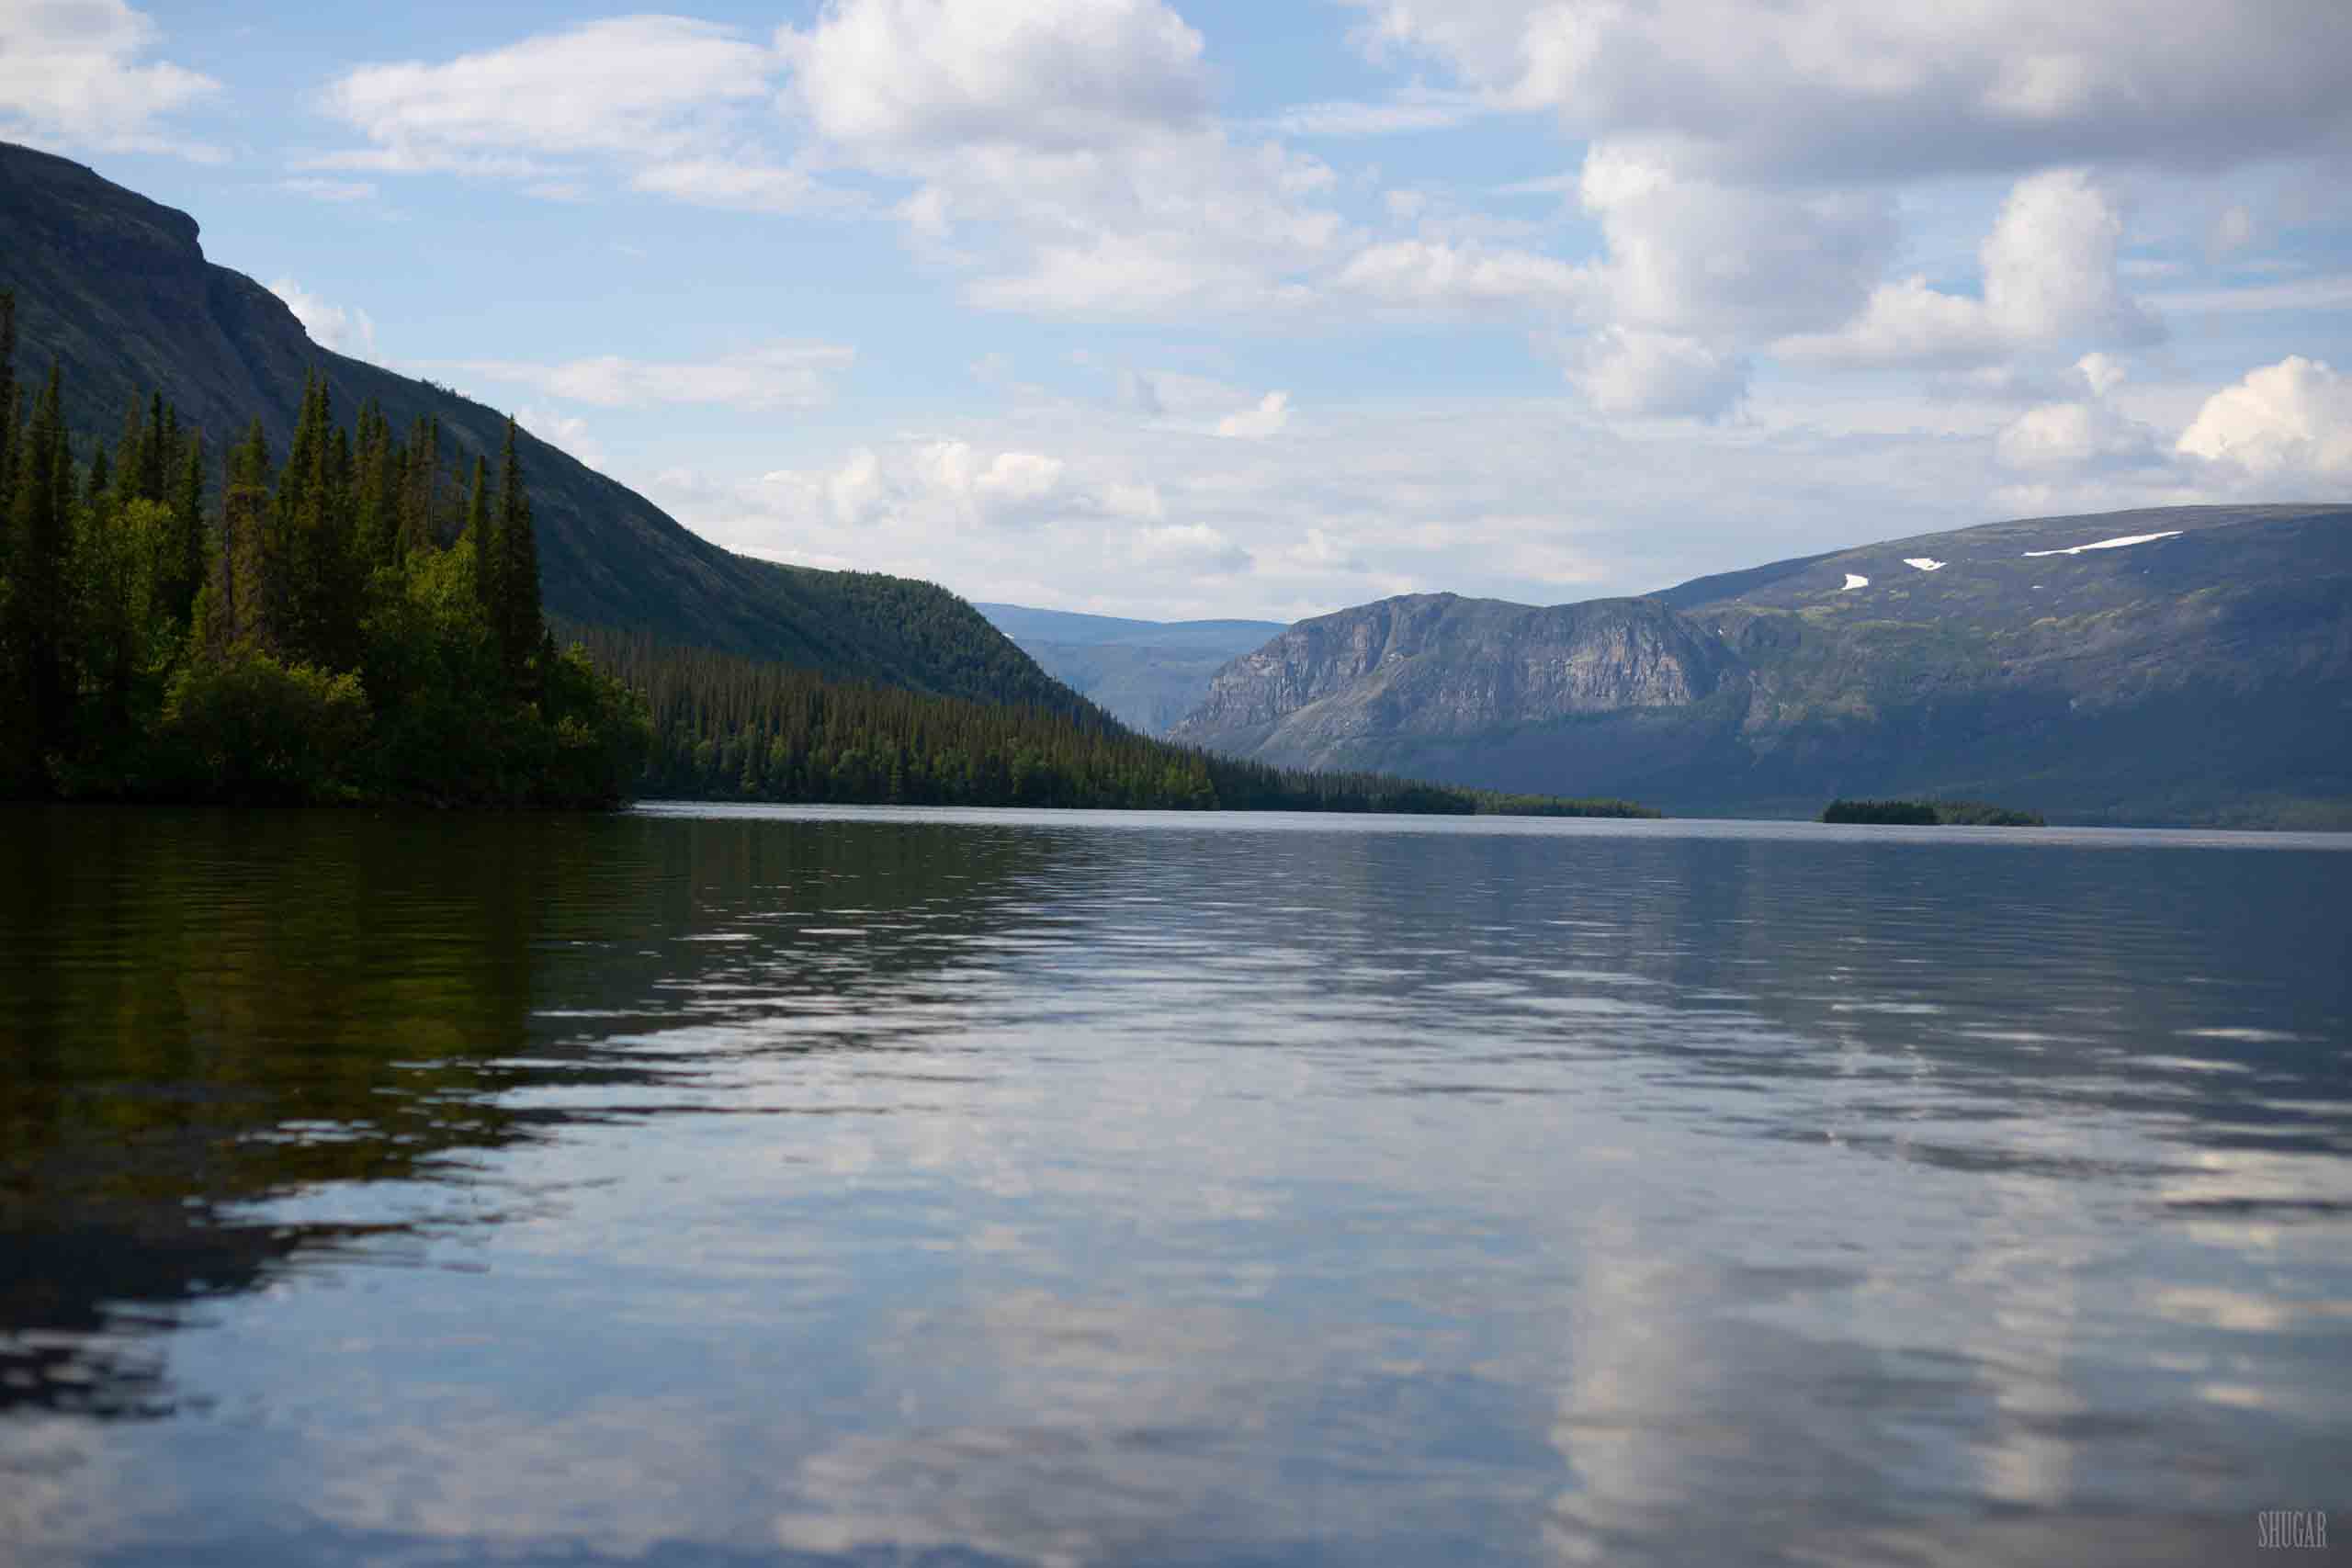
(336, 627)
(729, 728)
(114, 290)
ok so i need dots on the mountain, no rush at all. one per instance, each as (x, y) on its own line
(1147, 674)
(2181, 665)
(115, 288)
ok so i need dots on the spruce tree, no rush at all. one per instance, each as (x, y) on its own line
(40, 570)
(234, 610)
(8, 440)
(180, 565)
(154, 452)
(518, 619)
(419, 521)
(482, 531)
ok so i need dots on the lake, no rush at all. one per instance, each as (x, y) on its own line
(731, 1186)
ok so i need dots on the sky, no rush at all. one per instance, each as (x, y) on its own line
(1267, 308)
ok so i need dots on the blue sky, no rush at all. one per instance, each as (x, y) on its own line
(1177, 309)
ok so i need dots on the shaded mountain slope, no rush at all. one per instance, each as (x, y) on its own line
(1147, 674)
(2201, 676)
(116, 289)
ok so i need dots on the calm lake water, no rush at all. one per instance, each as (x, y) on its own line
(722, 1187)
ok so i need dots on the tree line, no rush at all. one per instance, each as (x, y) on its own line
(1928, 814)
(728, 727)
(348, 623)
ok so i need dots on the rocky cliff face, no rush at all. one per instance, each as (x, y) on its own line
(2189, 665)
(1441, 665)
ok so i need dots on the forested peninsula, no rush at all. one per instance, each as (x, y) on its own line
(726, 727)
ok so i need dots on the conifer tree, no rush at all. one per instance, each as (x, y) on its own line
(131, 447)
(9, 441)
(40, 571)
(482, 530)
(155, 452)
(376, 484)
(179, 568)
(516, 613)
(233, 612)
(420, 503)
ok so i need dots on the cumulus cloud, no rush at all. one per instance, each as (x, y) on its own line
(1693, 254)
(344, 329)
(75, 74)
(2050, 277)
(1858, 88)
(2076, 436)
(624, 86)
(1048, 76)
(993, 486)
(1267, 418)
(2284, 421)
(772, 375)
(1067, 148)
(1658, 375)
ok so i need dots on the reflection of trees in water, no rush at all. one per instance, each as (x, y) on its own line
(202, 1011)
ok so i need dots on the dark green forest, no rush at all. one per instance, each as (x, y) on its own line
(347, 625)
(1929, 814)
(728, 727)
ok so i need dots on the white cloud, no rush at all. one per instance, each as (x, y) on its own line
(772, 375)
(1046, 75)
(749, 187)
(2075, 436)
(2283, 422)
(1860, 88)
(2104, 373)
(1271, 412)
(345, 330)
(568, 432)
(1695, 255)
(2049, 278)
(1066, 148)
(1193, 545)
(1658, 375)
(1423, 275)
(71, 75)
(632, 86)
(1530, 499)
(1004, 483)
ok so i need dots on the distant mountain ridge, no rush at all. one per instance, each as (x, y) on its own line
(114, 288)
(1147, 674)
(2202, 673)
